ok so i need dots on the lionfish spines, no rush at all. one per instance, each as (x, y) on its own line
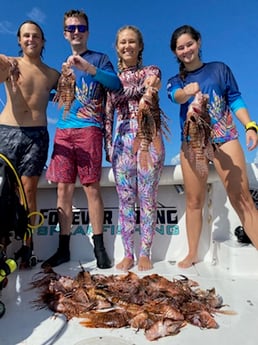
(155, 305)
(14, 73)
(65, 89)
(198, 133)
(150, 126)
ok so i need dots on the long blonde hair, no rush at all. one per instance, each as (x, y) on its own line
(141, 43)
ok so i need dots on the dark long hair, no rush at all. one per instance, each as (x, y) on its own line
(184, 29)
(40, 29)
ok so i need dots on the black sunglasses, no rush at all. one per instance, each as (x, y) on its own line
(72, 28)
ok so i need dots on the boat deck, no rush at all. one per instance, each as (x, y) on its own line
(22, 324)
(227, 266)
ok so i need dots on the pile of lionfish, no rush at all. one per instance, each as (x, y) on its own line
(198, 133)
(156, 305)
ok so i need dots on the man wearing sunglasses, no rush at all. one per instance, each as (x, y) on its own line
(79, 137)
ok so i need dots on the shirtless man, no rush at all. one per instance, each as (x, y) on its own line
(23, 121)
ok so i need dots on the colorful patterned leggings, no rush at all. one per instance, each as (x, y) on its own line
(135, 183)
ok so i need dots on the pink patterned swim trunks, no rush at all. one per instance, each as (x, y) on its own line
(77, 151)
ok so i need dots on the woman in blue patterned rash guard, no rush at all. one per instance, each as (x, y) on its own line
(216, 80)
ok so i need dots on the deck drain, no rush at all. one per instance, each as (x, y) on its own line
(105, 340)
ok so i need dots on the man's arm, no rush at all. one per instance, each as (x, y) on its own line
(4, 68)
(107, 78)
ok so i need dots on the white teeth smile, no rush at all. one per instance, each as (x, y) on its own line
(188, 56)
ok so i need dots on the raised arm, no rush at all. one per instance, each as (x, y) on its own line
(107, 78)
(181, 96)
(4, 68)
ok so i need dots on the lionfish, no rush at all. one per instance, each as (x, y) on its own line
(65, 88)
(198, 133)
(154, 304)
(14, 73)
(151, 120)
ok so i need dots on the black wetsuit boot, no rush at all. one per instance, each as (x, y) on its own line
(103, 260)
(62, 255)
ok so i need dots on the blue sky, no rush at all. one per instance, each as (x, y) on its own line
(229, 34)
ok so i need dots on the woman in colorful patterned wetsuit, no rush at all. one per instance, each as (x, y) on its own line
(133, 178)
(216, 80)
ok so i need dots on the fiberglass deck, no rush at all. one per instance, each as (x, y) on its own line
(236, 281)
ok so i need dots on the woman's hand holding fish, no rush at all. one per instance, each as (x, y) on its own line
(183, 95)
(153, 81)
(191, 89)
